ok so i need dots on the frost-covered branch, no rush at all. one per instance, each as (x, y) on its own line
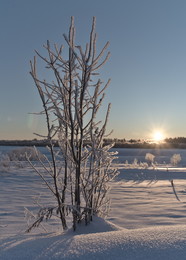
(72, 102)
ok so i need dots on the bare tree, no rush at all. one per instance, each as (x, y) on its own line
(71, 104)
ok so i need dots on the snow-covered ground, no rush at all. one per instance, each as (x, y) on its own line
(145, 221)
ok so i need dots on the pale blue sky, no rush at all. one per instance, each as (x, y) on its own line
(147, 64)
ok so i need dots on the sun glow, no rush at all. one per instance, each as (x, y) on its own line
(158, 136)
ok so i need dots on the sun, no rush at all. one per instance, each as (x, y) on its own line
(158, 136)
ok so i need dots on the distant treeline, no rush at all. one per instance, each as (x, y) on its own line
(33, 142)
(177, 142)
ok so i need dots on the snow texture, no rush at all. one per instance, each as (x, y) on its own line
(146, 221)
(165, 242)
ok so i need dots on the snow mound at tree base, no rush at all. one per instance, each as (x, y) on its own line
(96, 226)
(161, 242)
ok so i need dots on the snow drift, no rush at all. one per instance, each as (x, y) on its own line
(161, 242)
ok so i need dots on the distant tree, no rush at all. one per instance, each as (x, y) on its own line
(21, 154)
(132, 141)
(175, 159)
(79, 171)
(149, 157)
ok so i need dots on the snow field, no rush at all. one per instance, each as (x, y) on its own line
(145, 221)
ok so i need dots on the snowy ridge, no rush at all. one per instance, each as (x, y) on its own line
(161, 242)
